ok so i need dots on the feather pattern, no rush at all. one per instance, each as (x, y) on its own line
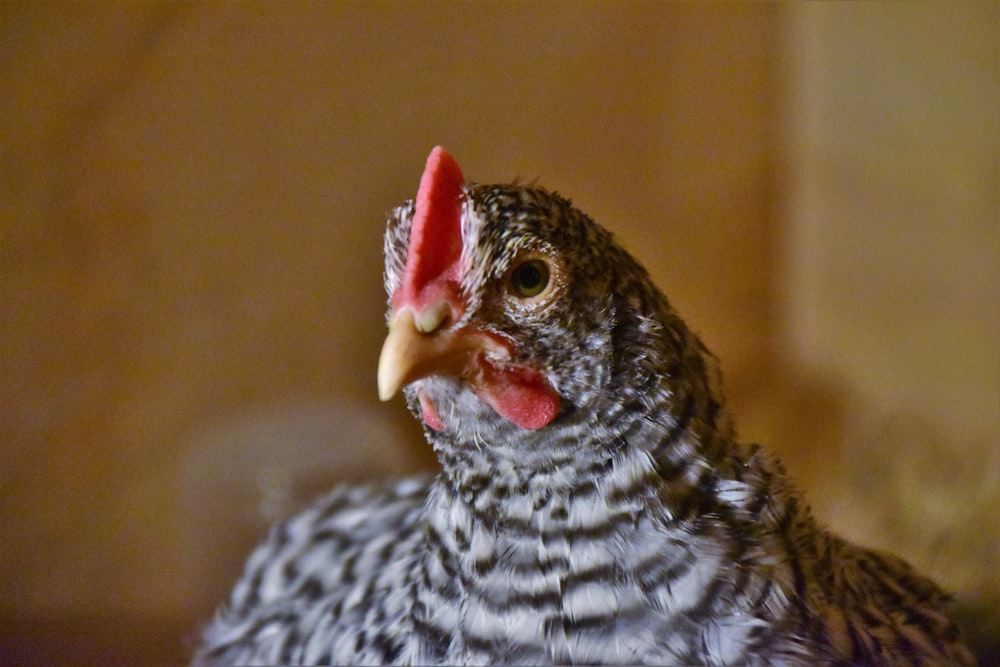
(632, 528)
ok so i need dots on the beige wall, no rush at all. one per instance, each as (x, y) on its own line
(891, 266)
(193, 197)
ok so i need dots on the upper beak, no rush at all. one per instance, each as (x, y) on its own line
(415, 349)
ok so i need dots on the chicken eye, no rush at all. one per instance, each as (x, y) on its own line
(530, 278)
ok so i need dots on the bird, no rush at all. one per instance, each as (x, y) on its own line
(594, 504)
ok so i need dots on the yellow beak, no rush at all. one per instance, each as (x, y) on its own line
(418, 346)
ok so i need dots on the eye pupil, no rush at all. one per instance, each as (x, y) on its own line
(531, 278)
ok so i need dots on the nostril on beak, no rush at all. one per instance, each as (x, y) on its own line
(433, 317)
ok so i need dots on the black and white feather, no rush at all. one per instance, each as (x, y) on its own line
(633, 528)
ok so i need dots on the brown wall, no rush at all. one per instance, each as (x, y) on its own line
(193, 198)
(890, 268)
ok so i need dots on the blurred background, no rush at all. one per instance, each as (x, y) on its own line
(193, 197)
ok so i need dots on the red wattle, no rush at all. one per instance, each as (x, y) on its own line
(433, 258)
(518, 393)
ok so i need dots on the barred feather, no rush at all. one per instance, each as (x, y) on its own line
(634, 528)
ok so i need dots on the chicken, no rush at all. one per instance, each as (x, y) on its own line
(594, 504)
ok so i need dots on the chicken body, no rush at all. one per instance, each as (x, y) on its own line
(594, 505)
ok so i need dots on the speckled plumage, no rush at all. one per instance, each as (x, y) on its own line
(632, 528)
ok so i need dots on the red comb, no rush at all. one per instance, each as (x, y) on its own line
(435, 234)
